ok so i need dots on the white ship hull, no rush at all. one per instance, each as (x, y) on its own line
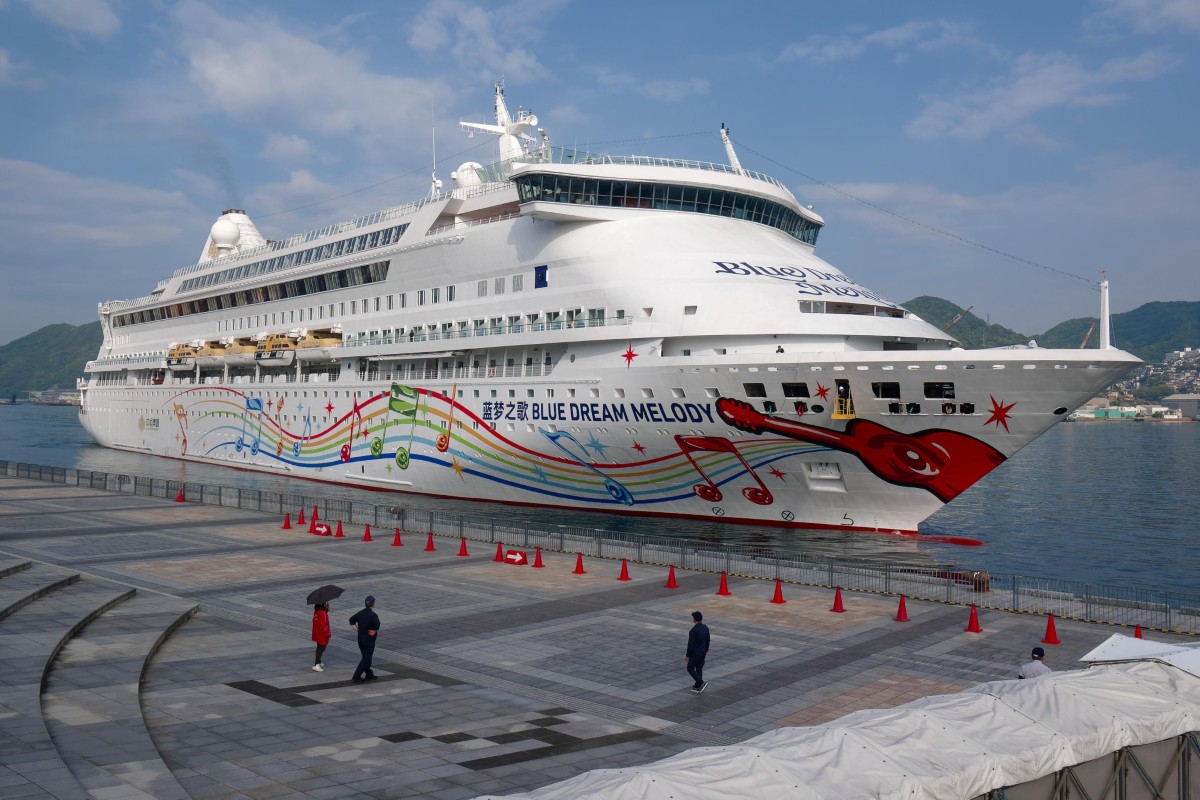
(550, 349)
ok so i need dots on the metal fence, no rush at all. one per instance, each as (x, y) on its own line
(1174, 612)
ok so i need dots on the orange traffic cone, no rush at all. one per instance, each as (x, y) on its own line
(624, 572)
(367, 534)
(537, 559)
(838, 608)
(1137, 631)
(338, 534)
(462, 548)
(1051, 634)
(287, 521)
(396, 542)
(778, 598)
(579, 570)
(429, 548)
(300, 519)
(499, 557)
(312, 525)
(901, 611)
(671, 584)
(179, 497)
(724, 589)
(314, 514)
(973, 623)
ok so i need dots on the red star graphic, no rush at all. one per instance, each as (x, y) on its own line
(362, 432)
(629, 356)
(640, 448)
(999, 413)
(329, 407)
(776, 473)
(270, 404)
(823, 392)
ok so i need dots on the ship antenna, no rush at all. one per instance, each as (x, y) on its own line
(733, 159)
(435, 187)
(1105, 321)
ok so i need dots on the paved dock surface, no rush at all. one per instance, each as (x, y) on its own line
(493, 678)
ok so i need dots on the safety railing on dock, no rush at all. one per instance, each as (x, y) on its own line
(1168, 611)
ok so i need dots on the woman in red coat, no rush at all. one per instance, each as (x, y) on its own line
(320, 633)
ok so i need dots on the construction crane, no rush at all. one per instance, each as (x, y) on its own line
(957, 319)
(1087, 335)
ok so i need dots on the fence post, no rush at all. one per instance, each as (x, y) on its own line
(887, 578)
(1016, 600)
(1087, 602)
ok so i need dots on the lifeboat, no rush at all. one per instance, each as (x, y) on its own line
(181, 357)
(239, 350)
(316, 346)
(276, 350)
(210, 355)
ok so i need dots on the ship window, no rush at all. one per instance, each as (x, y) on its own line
(518, 282)
(435, 295)
(943, 391)
(420, 297)
(481, 289)
(619, 394)
(539, 277)
(449, 294)
(499, 286)
(689, 311)
(769, 406)
(795, 390)
(647, 393)
(677, 393)
(886, 390)
(755, 389)
(712, 393)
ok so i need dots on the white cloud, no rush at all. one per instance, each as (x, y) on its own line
(286, 147)
(923, 36)
(1145, 16)
(1036, 83)
(663, 90)
(12, 73)
(259, 71)
(86, 17)
(494, 41)
(38, 204)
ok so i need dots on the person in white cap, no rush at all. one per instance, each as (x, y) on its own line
(1035, 668)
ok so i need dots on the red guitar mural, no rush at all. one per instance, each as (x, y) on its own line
(944, 463)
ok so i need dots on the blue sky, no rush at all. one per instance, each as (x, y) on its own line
(1063, 134)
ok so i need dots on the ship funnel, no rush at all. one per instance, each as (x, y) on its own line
(1105, 322)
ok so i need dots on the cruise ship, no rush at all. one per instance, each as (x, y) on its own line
(620, 334)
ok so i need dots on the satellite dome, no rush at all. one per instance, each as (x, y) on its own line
(225, 234)
(467, 175)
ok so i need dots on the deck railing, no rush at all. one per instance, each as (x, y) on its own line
(1152, 609)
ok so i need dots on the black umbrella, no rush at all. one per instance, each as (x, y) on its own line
(325, 594)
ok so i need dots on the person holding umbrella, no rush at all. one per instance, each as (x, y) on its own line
(320, 599)
(366, 625)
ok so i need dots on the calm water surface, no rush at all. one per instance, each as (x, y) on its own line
(1106, 502)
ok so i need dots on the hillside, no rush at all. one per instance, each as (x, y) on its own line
(50, 356)
(1149, 331)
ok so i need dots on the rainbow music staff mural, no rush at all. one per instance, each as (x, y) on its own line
(410, 429)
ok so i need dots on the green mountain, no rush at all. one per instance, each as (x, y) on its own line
(969, 329)
(50, 356)
(1149, 331)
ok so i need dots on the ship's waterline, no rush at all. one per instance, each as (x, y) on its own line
(634, 335)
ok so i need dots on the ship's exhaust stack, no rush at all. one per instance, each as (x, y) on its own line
(232, 233)
(1105, 322)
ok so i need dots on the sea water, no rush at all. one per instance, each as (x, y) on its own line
(1104, 502)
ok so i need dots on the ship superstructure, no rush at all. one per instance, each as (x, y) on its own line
(611, 333)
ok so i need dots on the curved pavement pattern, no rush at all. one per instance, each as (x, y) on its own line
(151, 649)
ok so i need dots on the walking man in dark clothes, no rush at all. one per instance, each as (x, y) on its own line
(697, 649)
(366, 624)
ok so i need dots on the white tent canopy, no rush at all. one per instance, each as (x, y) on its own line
(962, 745)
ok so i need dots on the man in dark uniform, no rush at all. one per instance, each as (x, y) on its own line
(697, 649)
(366, 624)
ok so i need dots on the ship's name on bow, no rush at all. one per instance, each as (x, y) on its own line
(813, 282)
(598, 412)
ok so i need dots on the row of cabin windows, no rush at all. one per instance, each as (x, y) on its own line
(883, 390)
(666, 197)
(342, 247)
(314, 284)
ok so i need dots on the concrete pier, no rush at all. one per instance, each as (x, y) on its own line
(153, 649)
